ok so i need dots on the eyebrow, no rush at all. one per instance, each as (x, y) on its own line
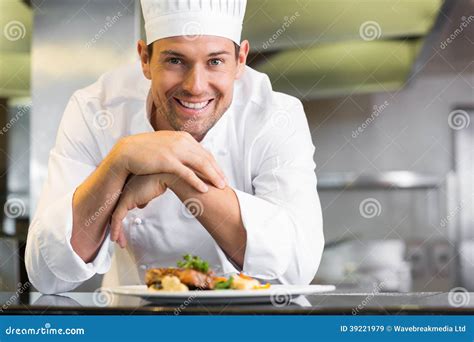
(177, 54)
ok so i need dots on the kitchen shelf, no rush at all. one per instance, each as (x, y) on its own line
(395, 180)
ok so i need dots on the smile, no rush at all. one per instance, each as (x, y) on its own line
(194, 105)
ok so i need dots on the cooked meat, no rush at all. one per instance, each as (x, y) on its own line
(191, 278)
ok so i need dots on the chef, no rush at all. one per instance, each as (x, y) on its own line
(189, 151)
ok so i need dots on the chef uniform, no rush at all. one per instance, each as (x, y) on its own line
(262, 143)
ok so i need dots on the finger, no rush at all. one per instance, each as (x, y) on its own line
(117, 217)
(201, 164)
(202, 161)
(122, 240)
(142, 206)
(190, 177)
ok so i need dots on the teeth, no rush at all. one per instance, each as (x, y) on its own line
(190, 105)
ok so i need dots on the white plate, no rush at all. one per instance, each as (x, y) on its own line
(275, 294)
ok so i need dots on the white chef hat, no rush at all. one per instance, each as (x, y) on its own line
(170, 18)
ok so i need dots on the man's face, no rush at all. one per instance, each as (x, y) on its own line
(192, 80)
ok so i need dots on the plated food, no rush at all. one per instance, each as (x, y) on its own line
(193, 273)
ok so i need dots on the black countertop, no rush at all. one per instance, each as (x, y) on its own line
(331, 303)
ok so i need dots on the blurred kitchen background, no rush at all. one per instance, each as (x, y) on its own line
(388, 88)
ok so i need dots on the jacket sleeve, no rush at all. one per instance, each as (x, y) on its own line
(51, 263)
(282, 216)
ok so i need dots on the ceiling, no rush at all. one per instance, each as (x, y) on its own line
(326, 48)
(309, 48)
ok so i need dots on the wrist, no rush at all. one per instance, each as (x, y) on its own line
(117, 160)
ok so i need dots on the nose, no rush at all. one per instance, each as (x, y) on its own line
(195, 81)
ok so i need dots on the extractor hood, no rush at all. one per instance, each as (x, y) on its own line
(15, 41)
(321, 48)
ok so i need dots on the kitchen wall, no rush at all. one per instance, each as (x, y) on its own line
(407, 130)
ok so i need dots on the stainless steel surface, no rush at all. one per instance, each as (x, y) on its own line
(386, 180)
(9, 264)
(342, 301)
(464, 168)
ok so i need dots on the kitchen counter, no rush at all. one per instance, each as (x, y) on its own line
(346, 303)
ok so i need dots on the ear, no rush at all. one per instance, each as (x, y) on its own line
(142, 49)
(242, 60)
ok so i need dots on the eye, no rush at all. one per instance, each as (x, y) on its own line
(215, 61)
(174, 60)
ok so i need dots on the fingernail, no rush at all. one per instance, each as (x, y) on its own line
(204, 188)
(221, 184)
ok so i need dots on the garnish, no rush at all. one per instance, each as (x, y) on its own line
(224, 285)
(194, 262)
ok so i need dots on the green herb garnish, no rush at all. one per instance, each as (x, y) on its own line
(194, 262)
(224, 285)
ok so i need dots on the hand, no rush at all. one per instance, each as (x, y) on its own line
(170, 152)
(137, 192)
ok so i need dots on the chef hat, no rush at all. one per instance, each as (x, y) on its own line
(170, 18)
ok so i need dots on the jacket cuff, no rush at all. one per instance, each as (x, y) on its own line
(269, 237)
(54, 240)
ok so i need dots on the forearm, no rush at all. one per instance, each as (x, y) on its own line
(93, 204)
(219, 213)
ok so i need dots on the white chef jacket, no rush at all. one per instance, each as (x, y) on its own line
(263, 145)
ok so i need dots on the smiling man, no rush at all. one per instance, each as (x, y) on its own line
(189, 152)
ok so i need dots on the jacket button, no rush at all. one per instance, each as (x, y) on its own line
(143, 267)
(137, 221)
